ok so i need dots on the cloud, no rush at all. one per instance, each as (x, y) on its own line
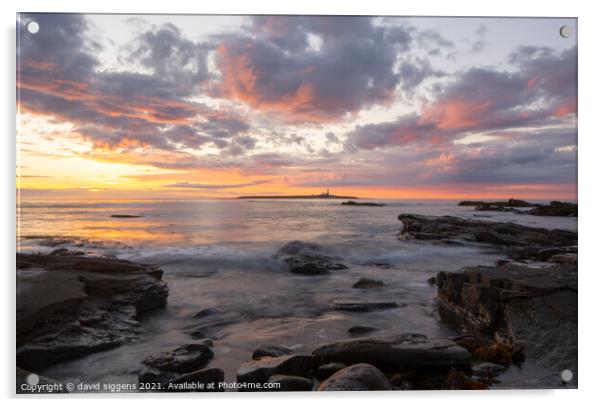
(348, 66)
(541, 91)
(213, 186)
(59, 76)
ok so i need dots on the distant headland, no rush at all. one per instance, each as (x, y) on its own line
(323, 195)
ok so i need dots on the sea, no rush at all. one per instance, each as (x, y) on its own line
(222, 254)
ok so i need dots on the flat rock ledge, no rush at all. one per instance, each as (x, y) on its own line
(522, 241)
(407, 350)
(529, 312)
(70, 305)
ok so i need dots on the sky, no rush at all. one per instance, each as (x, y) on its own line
(186, 107)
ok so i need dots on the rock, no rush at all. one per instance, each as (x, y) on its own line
(400, 350)
(205, 380)
(432, 280)
(353, 203)
(125, 216)
(512, 203)
(325, 371)
(259, 371)
(207, 312)
(442, 228)
(69, 305)
(527, 311)
(503, 351)
(368, 283)
(555, 208)
(197, 333)
(359, 377)
(569, 258)
(307, 258)
(291, 383)
(163, 367)
(206, 341)
(362, 306)
(360, 330)
(271, 350)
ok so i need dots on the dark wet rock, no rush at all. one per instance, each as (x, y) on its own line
(362, 306)
(358, 377)
(568, 258)
(393, 351)
(197, 333)
(207, 312)
(206, 341)
(500, 350)
(163, 367)
(46, 384)
(354, 203)
(537, 253)
(204, 380)
(259, 371)
(512, 203)
(360, 330)
(432, 280)
(71, 305)
(368, 283)
(555, 208)
(308, 258)
(423, 227)
(291, 383)
(526, 311)
(271, 350)
(125, 216)
(325, 371)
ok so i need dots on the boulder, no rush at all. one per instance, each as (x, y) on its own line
(364, 283)
(259, 371)
(290, 383)
(325, 371)
(163, 367)
(358, 377)
(308, 258)
(362, 305)
(409, 350)
(271, 350)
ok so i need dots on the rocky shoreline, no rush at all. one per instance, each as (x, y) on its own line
(71, 304)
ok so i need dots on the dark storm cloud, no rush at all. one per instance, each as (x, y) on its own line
(60, 76)
(315, 69)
